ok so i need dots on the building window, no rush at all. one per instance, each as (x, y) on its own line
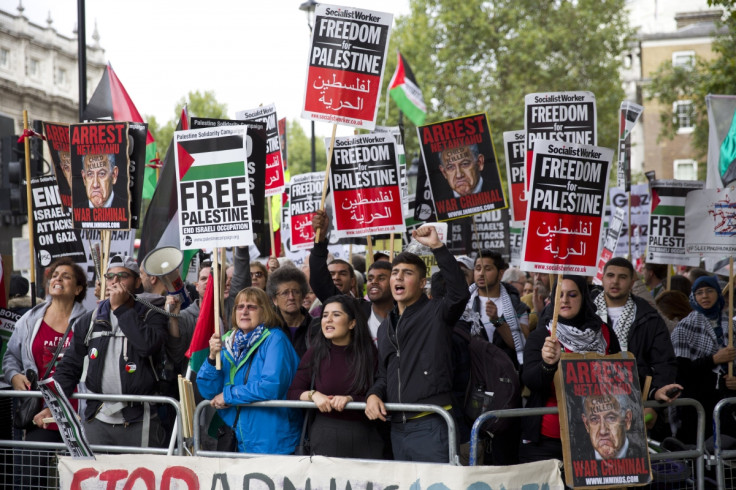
(34, 68)
(686, 170)
(4, 58)
(62, 78)
(682, 116)
(683, 59)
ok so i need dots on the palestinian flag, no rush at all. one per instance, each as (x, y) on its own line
(211, 158)
(161, 223)
(199, 347)
(721, 169)
(110, 100)
(406, 93)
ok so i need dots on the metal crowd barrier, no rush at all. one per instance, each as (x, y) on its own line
(102, 448)
(696, 454)
(722, 456)
(390, 407)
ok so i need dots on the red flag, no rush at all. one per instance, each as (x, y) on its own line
(200, 345)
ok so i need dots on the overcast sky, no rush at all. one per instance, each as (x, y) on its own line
(248, 52)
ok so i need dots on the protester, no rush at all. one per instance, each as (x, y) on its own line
(538, 299)
(674, 305)
(19, 302)
(258, 275)
(415, 342)
(111, 353)
(379, 295)
(700, 341)
(516, 278)
(258, 363)
(31, 349)
(287, 287)
(654, 275)
(579, 330)
(327, 280)
(467, 266)
(504, 317)
(528, 287)
(338, 369)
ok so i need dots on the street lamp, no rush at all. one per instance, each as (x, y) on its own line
(309, 7)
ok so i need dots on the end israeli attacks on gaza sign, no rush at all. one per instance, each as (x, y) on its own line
(212, 185)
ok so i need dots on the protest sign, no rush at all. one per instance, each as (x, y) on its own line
(70, 427)
(461, 167)
(57, 140)
(712, 235)
(666, 243)
(100, 175)
(423, 205)
(346, 62)
(596, 392)
(629, 113)
(192, 472)
(610, 241)
(513, 143)
(7, 325)
(641, 204)
(274, 164)
(137, 133)
(395, 131)
(490, 232)
(364, 179)
(54, 235)
(516, 238)
(305, 196)
(256, 148)
(212, 187)
(567, 195)
(559, 116)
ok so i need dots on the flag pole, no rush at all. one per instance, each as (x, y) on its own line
(556, 312)
(270, 227)
(730, 310)
(29, 206)
(216, 291)
(327, 176)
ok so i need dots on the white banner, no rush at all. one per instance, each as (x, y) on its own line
(710, 222)
(189, 473)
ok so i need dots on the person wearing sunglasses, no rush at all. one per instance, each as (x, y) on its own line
(111, 352)
(258, 364)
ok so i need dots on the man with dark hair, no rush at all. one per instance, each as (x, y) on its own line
(415, 352)
(505, 319)
(111, 353)
(287, 287)
(378, 288)
(639, 328)
(654, 275)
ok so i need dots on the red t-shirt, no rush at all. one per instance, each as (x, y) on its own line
(43, 348)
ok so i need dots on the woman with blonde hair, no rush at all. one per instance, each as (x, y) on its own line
(258, 364)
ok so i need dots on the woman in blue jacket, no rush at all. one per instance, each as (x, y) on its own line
(258, 363)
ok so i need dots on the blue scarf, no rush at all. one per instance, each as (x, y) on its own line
(714, 312)
(242, 342)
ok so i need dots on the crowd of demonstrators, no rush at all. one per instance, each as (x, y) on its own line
(337, 369)
(382, 342)
(40, 338)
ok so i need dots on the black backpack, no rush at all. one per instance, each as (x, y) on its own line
(494, 383)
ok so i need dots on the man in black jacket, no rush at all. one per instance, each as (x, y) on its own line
(111, 352)
(639, 328)
(415, 352)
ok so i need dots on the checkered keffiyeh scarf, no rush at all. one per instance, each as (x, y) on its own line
(694, 337)
(623, 325)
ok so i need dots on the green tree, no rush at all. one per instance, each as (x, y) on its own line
(199, 104)
(299, 149)
(716, 76)
(471, 56)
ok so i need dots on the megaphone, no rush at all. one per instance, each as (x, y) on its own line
(164, 263)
